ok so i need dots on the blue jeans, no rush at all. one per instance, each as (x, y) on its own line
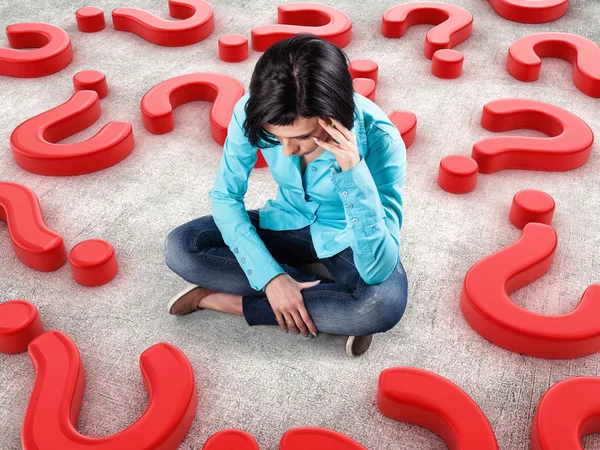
(345, 305)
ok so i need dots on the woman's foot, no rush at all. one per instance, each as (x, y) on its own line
(193, 298)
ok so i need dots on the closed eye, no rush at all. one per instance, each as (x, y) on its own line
(304, 137)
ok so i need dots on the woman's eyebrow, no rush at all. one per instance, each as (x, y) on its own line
(306, 134)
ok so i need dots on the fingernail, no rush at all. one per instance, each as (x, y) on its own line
(315, 139)
(314, 334)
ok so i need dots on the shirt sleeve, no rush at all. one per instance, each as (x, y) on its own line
(229, 211)
(372, 196)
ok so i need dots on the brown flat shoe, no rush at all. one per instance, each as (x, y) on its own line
(357, 345)
(187, 300)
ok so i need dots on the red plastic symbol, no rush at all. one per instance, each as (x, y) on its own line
(295, 439)
(447, 63)
(324, 21)
(93, 262)
(222, 90)
(197, 23)
(52, 51)
(531, 205)
(233, 48)
(406, 122)
(454, 25)
(568, 148)
(90, 19)
(489, 310)
(524, 63)
(567, 412)
(91, 80)
(365, 87)
(57, 394)
(34, 141)
(530, 11)
(35, 245)
(19, 324)
(364, 68)
(429, 400)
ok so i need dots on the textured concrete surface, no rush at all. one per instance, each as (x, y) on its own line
(260, 379)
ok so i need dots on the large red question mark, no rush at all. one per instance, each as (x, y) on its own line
(530, 11)
(223, 91)
(568, 148)
(453, 25)
(524, 63)
(324, 21)
(487, 307)
(93, 261)
(57, 394)
(197, 23)
(52, 52)
(34, 141)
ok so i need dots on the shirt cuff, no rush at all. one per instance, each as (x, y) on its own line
(359, 194)
(258, 264)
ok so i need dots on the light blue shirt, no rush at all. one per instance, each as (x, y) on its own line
(360, 207)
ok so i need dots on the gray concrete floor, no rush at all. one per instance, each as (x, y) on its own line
(260, 379)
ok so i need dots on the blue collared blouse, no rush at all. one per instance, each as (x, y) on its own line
(361, 207)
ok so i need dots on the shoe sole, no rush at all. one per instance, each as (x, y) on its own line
(187, 289)
(350, 342)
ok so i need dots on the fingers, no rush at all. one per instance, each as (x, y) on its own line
(281, 321)
(300, 323)
(307, 320)
(334, 132)
(345, 131)
(332, 148)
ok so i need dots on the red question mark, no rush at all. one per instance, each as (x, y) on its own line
(429, 400)
(197, 23)
(530, 11)
(490, 311)
(324, 21)
(93, 261)
(53, 50)
(567, 411)
(223, 91)
(524, 63)
(568, 148)
(34, 141)
(454, 25)
(57, 394)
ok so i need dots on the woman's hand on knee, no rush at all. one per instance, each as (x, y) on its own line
(285, 297)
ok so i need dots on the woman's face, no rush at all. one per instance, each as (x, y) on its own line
(296, 139)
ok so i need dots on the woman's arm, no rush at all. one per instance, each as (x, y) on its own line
(229, 211)
(372, 196)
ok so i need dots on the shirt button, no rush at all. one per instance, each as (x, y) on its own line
(243, 259)
(235, 250)
(355, 220)
(249, 271)
(345, 193)
(314, 169)
(350, 205)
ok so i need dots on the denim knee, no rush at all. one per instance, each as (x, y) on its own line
(385, 303)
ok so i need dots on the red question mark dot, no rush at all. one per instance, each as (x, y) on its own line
(458, 174)
(93, 262)
(19, 325)
(531, 205)
(91, 80)
(90, 19)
